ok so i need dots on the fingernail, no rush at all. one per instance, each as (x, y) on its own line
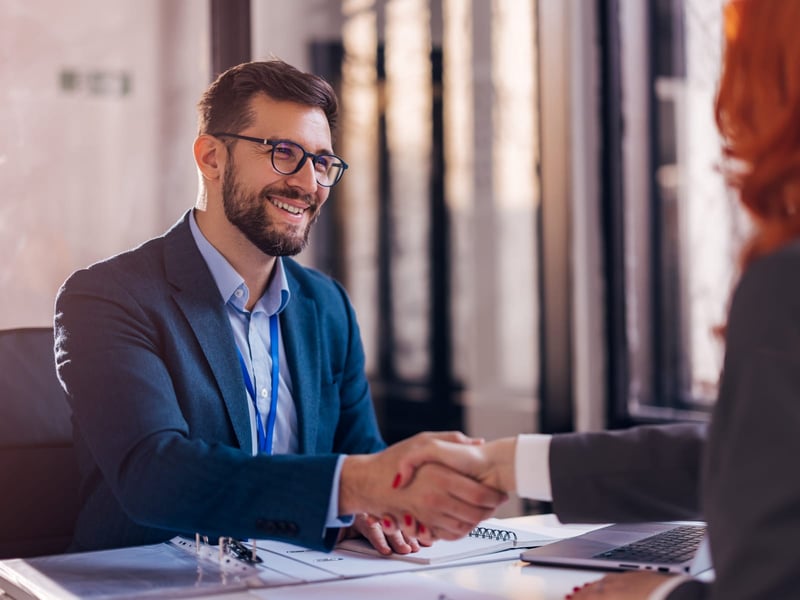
(575, 589)
(421, 528)
(387, 523)
(408, 520)
(396, 482)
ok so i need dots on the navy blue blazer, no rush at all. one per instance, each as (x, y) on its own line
(146, 355)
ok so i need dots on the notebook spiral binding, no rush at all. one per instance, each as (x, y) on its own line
(487, 533)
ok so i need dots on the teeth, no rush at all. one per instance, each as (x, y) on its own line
(287, 207)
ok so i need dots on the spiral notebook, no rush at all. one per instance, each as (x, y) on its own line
(488, 537)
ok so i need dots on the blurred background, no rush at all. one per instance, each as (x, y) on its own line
(532, 229)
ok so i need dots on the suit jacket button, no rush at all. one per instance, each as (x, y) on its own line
(266, 525)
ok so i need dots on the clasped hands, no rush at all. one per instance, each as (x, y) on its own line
(427, 487)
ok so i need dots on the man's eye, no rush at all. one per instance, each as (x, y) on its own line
(323, 163)
(283, 151)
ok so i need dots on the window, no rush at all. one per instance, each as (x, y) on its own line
(680, 228)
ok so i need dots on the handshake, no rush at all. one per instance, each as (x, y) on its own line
(427, 487)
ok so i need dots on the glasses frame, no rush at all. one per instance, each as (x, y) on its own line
(306, 155)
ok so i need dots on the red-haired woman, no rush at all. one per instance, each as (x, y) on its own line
(751, 488)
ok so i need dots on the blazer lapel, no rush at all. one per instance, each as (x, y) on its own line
(302, 346)
(198, 297)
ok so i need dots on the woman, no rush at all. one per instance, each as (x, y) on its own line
(751, 492)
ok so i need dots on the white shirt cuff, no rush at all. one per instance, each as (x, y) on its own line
(334, 519)
(662, 591)
(532, 466)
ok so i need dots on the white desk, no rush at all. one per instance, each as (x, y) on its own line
(508, 579)
(513, 580)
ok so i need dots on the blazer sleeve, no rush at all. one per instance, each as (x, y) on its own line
(752, 495)
(640, 474)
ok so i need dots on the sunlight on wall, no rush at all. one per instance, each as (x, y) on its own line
(359, 141)
(459, 159)
(515, 185)
(409, 134)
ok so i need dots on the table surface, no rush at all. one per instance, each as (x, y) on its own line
(506, 579)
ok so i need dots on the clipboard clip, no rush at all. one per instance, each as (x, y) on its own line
(238, 550)
(231, 548)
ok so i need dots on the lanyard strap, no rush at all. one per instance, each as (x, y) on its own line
(265, 438)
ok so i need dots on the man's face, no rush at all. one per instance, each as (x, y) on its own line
(273, 211)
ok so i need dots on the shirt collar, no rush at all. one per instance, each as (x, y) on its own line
(231, 285)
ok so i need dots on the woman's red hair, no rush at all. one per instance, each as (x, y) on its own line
(758, 116)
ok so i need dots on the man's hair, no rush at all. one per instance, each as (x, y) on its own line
(226, 104)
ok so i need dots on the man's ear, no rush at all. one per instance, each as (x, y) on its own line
(209, 155)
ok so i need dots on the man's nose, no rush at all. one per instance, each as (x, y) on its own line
(306, 177)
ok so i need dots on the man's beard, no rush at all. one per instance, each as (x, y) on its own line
(247, 213)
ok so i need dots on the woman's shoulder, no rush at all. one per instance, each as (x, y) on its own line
(766, 301)
(776, 272)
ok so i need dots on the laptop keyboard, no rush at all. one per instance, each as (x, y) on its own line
(672, 546)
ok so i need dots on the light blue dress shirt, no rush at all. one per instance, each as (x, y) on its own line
(251, 333)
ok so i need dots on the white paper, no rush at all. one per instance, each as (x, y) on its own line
(447, 551)
(399, 586)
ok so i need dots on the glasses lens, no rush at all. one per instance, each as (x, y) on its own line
(328, 168)
(286, 156)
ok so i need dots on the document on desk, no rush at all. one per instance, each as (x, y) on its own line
(314, 565)
(485, 541)
(398, 586)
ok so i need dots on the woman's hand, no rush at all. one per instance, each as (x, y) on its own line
(382, 540)
(634, 585)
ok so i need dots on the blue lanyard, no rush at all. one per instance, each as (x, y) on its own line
(265, 438)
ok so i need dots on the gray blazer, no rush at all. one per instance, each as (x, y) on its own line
(750, 487)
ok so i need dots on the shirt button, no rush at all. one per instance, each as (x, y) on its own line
(264, 392)
(238, 293)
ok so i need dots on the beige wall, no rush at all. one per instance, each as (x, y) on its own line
(95, 135)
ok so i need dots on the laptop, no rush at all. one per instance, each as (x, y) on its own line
(660, 547)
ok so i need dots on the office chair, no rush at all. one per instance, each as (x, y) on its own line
(38, 472)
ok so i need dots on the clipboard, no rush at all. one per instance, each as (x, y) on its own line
(173, 569)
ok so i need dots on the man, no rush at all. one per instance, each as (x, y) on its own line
(218, 387)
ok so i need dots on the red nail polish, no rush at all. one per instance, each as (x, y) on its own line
(387, 523)
(408, 520)
(396, 482)
(421, 528)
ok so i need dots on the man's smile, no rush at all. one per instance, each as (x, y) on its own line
(290, 208)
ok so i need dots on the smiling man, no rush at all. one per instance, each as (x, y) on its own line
(217, 386)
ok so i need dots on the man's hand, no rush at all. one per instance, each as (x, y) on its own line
(383, 541)
(449, 503)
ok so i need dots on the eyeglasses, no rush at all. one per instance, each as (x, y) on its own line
(288, 158)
